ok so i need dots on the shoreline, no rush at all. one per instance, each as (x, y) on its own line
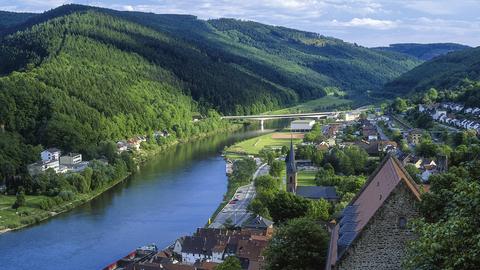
(143, 156)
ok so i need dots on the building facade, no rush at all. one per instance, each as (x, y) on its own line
(372, 232)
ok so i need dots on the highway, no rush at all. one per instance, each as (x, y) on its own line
(291, 115)
(237, 212)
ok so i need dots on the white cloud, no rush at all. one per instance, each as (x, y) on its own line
(128, 8)
(367, 22)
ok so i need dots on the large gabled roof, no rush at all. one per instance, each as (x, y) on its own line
(366, 203)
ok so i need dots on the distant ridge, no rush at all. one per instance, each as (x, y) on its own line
(442, 72)
(424, 51)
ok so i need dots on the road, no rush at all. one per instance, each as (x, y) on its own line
(382, 134)
(237, 212)
(291, 115)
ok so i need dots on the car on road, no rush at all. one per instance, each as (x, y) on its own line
(232, 202)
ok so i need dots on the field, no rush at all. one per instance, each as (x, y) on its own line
(320, 104)
(306, 178)
(254, 145)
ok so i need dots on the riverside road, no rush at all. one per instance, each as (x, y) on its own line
(236, 209)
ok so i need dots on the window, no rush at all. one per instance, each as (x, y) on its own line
(402, 222)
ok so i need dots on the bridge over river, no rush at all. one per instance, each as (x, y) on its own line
(315, 115)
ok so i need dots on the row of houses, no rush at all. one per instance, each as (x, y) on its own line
(456, 107)
(441, 115)
(51, 158)
(215, 245)
(205, 249)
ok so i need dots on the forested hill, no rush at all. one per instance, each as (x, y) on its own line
(9, 19)
(222, 60)
(443, 72)
(424, 52)
(76, 75)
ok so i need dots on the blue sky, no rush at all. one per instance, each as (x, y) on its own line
(366, 22)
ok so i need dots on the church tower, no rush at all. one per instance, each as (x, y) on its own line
(291, 170)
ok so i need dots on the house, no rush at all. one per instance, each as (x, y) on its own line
(302, 125)
(43, 165)
(258, 224)
(438, 114)
(50, 154)
(71, 159)
(352, 116)
(122, 146)
(415, 135)
(372, 231)
(428, 164)
(134, 144)
(214, 245)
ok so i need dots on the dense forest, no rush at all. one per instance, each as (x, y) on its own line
(76, 76)
(424, 52)
(444, 72)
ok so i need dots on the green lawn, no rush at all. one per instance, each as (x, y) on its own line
(12, 218)
(254, 145)
(306, 178)
(313, 105)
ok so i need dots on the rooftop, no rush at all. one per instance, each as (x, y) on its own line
(317, 192)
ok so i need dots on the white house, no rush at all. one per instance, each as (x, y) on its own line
(351, 116)
(71, 159)
(438, 114)
(50, 154)
(43, 165)
(302, 125)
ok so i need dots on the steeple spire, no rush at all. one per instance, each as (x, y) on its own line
(291, 167)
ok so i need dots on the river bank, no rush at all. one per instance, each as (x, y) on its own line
(32, 213)
(172, 194)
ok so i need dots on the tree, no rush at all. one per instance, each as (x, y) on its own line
(20, 199)
(400, 105)
(230, 263)
(265, 182)
(300, 244)
(276, 168)
(285, 206)
(413, 172)
(257, 207)
(319, 210)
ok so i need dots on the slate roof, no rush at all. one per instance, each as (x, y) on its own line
(291, 167)
(257, 222)
(317, 192)
(365, 204)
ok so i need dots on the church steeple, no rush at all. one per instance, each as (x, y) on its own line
(291, 170)
(291, 167)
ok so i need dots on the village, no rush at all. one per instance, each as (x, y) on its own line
(390, 190)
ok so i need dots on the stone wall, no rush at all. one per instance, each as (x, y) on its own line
(382, 243)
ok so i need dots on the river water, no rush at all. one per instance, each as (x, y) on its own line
(170, 196)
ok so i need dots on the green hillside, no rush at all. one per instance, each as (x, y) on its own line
(424, 52)
(9, 19)
(75, 76)
(443, 72)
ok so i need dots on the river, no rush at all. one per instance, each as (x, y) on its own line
(170, 196)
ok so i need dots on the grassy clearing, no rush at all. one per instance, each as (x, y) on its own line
(31, 213)
(314, 105)
(306, 178)
(254, 145)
